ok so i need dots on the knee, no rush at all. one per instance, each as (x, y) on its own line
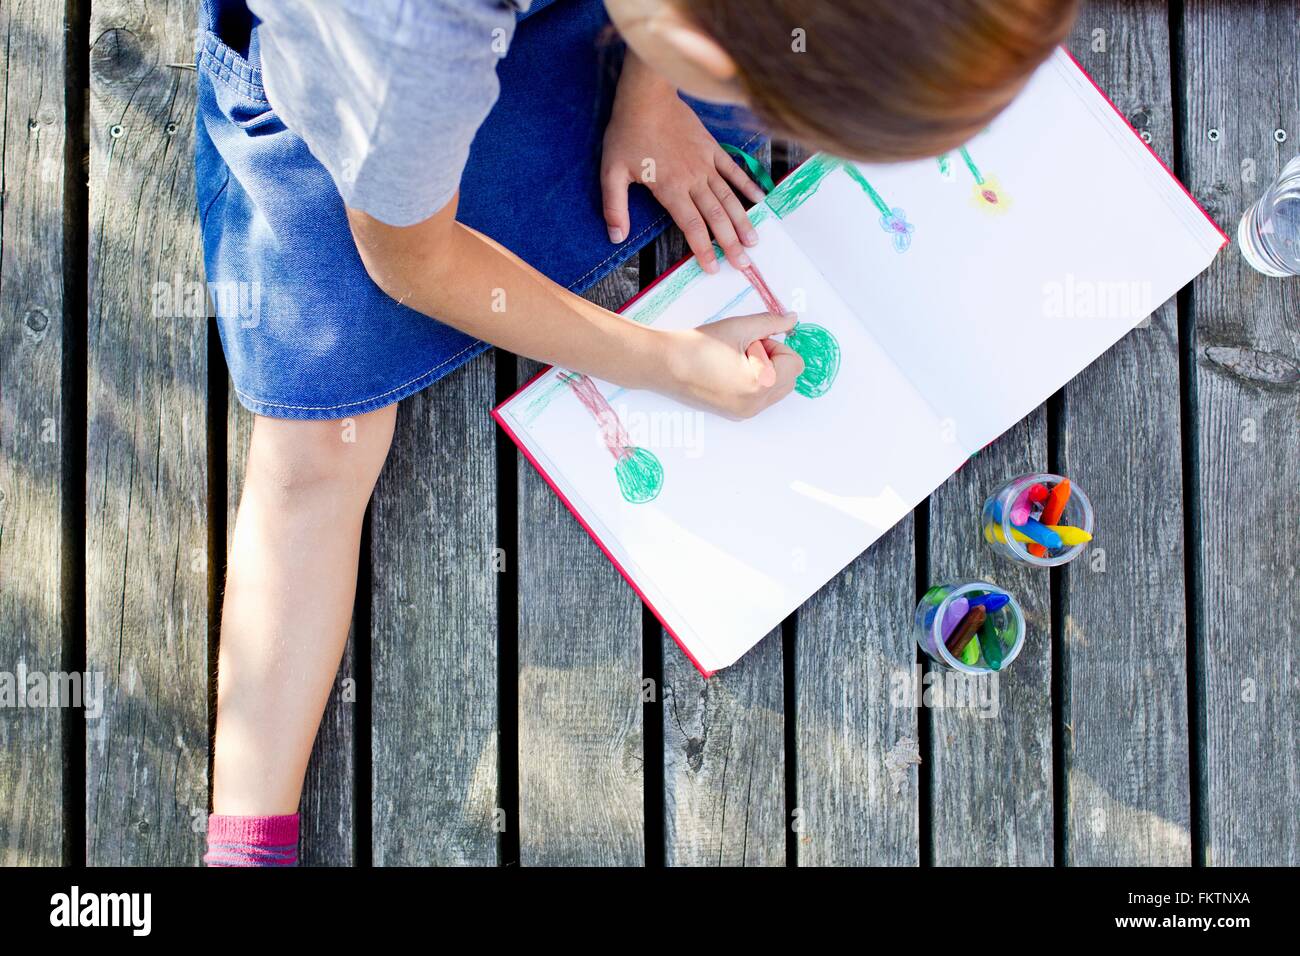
(336, 460)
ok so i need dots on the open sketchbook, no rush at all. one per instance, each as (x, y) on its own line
(939, 303)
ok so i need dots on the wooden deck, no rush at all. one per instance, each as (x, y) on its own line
(539, 715)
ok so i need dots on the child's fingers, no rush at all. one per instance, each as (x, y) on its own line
(720, 225)
(760, 325)
(787, 365)
(613, 186)
(745, 332)
(735, 211)
(761, 363)
(688, 218)
(737, 176)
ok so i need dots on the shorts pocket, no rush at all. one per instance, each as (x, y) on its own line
(245, 104)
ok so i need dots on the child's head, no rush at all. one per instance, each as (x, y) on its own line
(877, 80)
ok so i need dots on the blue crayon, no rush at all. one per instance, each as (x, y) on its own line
(1044, 535)
(990, 602)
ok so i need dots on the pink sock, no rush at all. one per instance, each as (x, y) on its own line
(252, 841)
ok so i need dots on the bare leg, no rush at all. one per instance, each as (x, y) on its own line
(289, 592)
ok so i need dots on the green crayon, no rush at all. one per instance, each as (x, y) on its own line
(990, 644)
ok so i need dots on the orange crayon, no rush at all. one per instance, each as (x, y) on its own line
(1057, 499)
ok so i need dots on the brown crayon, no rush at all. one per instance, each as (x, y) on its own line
(966, 629)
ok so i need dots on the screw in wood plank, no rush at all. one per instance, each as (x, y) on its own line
(1279, 135)
(1140, 119)
(116, 130)
(32, 124)
(1212, 135)
(171, 129)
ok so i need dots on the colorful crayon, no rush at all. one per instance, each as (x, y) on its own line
(1037, 531)
(991, 644)
(966, 630)
(1070, 535)
(953, 616)
(1053, 508)
(992, 601)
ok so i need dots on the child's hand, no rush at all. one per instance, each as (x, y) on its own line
(655, 139)
(731, 366)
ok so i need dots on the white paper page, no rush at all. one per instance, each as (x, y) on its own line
(752, 517)
(993, 307)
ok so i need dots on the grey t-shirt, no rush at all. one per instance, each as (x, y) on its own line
(387, 94)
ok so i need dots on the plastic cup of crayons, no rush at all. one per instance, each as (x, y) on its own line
(974, 628)
(1040, 520)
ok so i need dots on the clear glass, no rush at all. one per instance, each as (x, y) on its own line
(1269, 232)
(1008, 621)
(998, 532)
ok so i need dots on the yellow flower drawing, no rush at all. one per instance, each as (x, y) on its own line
(989, 196)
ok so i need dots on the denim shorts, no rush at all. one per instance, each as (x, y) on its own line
(305, 331)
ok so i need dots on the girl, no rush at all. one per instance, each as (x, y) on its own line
(394, 192)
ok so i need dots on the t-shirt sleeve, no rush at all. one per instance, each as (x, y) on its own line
(387, 94)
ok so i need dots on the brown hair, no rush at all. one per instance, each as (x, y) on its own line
(883, 80)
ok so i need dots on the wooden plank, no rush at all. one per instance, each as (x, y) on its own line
(1243, 79)
(724, 766)
(724, 738)
(581, 796)
(434, 629)
(34, 558)
(857, 789)
(147, 567)
(991, 767)
(327, 810)
(1126, 783)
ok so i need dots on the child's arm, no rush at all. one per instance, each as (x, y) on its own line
(445, 269)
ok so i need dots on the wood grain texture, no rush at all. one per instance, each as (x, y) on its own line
(724, 737)
(1243, 79)
(147, 564)
(33, 447)
(853, 645)
(724, 760)
(434, 629)
(581, 754)
(327, 809)
(991, 772)
(1126, 784)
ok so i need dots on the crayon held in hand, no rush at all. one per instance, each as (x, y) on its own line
(966, 630)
